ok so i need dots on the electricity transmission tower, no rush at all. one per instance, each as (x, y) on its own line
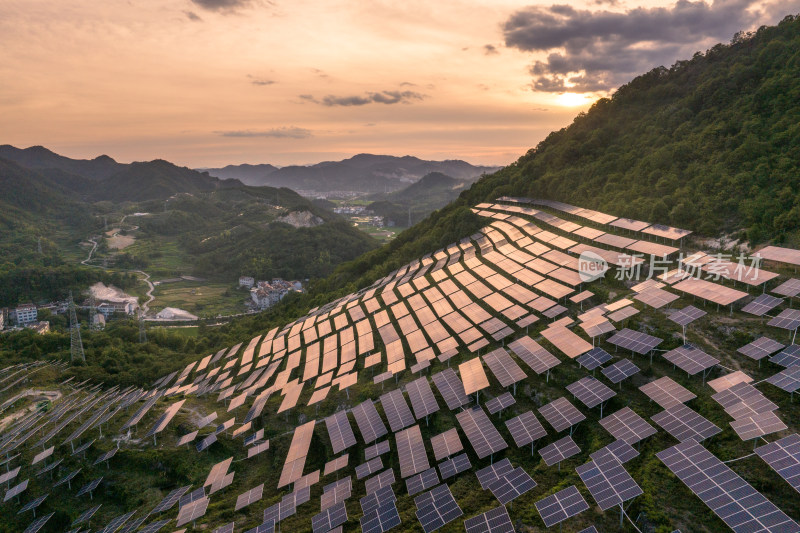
(75, 342)
(92, 313)
(142, 331)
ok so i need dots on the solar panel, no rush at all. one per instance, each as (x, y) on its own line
(539, 359)
(375, 499)
(106, 456)
(608, 482)
(117, 522)
(757, 425)
(67, 479)
(621, 370)
(762, 304)
(369, 421)
(422, 481)
(397, 412)
(456, 465)
(590, 391)
(787, 379)
(227, 528)
(687, 315)
(381, 519)
(594, 358)
(735, 501)
(38, 524)
(89, 487)
(790, 356)
(446, 443)
(153, 527)
(133, 525)
(436, 508)
(504, 368)
(86, 515)
(370, 467)
(329, 518)
(619, 450)
(33, 504)
(340, 432)
(451, 388)
(192, 511)
(684, 424)
(561, 414)
(15, 490)
(499, 403)
(732, 398)
(422, 399)
(489, 474)
(591, 529)
(655, 297)
(473, 376)
(783, 456)
(170, 500)
(760, 348)
(279, 511)
(206, 442)
(635, 341)
(251, 496)
(690, 359)
(628, 426)
(376, 449)
(191, 497)
(8, 476)
(384, 479)
(493, 521)
(564, 504)
(512, 485)
(266, 527)
(411, 452)
(666, 392)
(789, 288)
(559, 450)
(481, 433)
(525, 428)
(787, 319)
(335, 492)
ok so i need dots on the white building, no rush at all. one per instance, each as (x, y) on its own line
(246, 281)
(266, 294)
(109, 308)
(26, 314)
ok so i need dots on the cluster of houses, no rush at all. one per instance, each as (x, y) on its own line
(27, 315)
(265, 294)
(23, 316)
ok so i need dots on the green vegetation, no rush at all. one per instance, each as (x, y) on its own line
(204, 299)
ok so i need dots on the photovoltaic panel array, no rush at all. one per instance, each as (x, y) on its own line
(666, 392)
(757, 425)
(561, 414)
(375, 499)
(38, 524)
(512, 485)
(628, 426)
(535, 356)
(525, 428)
(735, 501)
(504, 368)
(192, 511)
(789, 288)
(621, 370)
(786, 319)
(783, 456)
(411, 452)
(687, 315)
(329, 518)
(376, 449)
(455, 465)
(608, 482)
(473, 376)
(422, 481)
(594, 358)
(381, 519)
(760, 348)
(494, 521)
(370, 467)
(489, 474)
(369, 421)
(422, 399)
(591, 392)
(685, 424)
(481, 433)
(762, 304)
(743, 399)
(384, 479)
(619, 449)
(451, 388)
(436, 508)
(635, 341)
(446, 443)
(500, 402)
(396, 409)
(564, 504)
(789, 356)
(340, 432)
(170, 500)
(559, 450)
(787, 379)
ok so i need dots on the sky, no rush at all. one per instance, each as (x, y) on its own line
(205, 83)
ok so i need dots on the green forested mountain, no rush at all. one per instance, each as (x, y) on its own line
(710, 144)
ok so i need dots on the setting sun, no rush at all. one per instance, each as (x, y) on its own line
(572, 99)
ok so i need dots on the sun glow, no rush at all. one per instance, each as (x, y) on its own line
(572, 99)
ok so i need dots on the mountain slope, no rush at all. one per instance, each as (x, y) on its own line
(709, 144)
(39, 157)
(247, 174)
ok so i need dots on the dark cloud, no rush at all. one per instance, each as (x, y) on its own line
(490, 49)
(280, 133)
(259, 81)
(381, 97)
(221, 5)
(191, 15)
(599, 50)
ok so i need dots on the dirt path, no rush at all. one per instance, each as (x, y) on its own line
(51, 395)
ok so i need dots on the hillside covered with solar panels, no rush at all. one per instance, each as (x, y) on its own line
(487, 386)
(469, 376)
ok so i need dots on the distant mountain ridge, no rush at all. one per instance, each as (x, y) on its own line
(39, 158)
(362, 172)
